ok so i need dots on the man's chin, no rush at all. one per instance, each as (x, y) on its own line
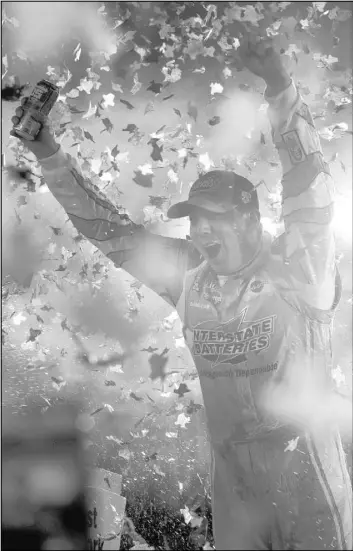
(220, 264)
(222, 268)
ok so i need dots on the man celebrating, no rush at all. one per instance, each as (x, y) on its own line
(257, 318)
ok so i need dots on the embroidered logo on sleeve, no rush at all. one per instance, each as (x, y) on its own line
(294, 146)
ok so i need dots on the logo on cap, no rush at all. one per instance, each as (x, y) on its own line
(245, 197)
(206, 183)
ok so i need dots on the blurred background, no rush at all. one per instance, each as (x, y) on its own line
(151, 94)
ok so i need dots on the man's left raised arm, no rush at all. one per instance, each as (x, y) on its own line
(307, 197)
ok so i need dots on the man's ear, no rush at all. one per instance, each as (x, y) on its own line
(252, 218)
(246, 221)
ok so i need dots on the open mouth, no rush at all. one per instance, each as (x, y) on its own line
(213, 250)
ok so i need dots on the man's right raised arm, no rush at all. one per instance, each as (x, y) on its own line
(158, 262)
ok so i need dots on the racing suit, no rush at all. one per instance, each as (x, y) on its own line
(261, 340)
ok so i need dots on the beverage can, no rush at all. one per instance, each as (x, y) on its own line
(37, 108)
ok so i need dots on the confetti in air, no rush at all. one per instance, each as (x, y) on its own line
(153, 94)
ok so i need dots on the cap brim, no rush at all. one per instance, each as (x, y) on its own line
(184, 208)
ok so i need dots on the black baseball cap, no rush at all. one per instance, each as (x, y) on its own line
(218, 191)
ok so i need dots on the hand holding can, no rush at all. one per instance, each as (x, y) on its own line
(37, 108)
(30, 125)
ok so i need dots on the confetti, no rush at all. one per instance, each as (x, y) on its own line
(182, 420)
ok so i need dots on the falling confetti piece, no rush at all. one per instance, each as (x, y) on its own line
(192, 111)
(182, 420)
(135, 397)
(90, 112)
(158, 363)
(86, 85)
(97, 411)
(77, 52)
(108, 100)
(205, 161)
(158, 471)
(157, 201)
(169, 322)
(186, 514)
(127, 103)
(137, 85)
(114, 439)
(130, 128)
(183, 389)
(74, 93)
(108, 125)
(145, 169)
(149, 107)
(143, 180)
(215, 120)
(155, 87)
(338, 375)
(88, 136)
(125, 454)
(18, 319)
(292, 445)
(152, 457)
(150, 349)
(117, 87)
(58, 386)
(115, 151)
(216, 88)
(193, 408)
(156, 154)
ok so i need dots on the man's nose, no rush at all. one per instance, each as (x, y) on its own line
(203, 226)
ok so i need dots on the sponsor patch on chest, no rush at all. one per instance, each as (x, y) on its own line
(231, 342)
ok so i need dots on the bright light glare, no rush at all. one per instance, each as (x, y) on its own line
(55, 22)
(180, 228)
(342, 219)
(270, 226)
(240, 122)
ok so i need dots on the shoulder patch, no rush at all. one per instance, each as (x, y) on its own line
(294, 146)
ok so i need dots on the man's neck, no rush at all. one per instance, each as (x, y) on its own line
(246, 269)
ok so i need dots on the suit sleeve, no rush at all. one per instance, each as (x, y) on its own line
(307, 197)
(158, 262)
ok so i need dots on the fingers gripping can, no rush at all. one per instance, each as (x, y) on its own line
(36, 109)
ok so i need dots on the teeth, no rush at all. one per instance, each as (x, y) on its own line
(213, 249)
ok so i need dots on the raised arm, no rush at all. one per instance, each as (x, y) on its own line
(307, 197)
(308, 188)
(158, 262)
